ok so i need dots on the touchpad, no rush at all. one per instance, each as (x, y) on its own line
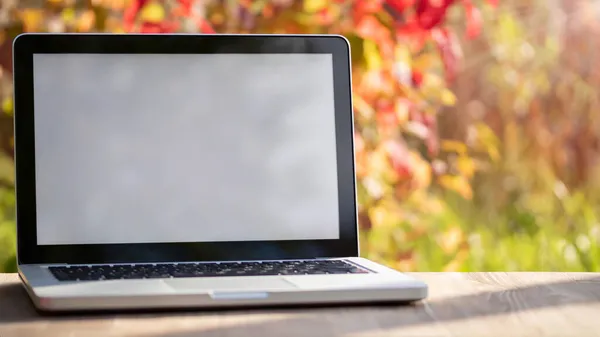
(230, 284)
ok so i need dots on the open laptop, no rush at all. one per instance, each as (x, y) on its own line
(176, 171)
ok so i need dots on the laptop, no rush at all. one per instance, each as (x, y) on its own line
(189, 171)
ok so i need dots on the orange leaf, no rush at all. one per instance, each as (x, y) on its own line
(32, 19)
(364, 8)
(268, 11)
(370, 28)
(493, 3)
(86, 21)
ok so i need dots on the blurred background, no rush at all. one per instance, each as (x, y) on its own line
(477, 125)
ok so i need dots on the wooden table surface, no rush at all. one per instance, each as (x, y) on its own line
(471, 304)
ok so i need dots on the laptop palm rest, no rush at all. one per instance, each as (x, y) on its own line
(229, 285)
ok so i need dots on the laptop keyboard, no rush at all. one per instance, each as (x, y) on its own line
(177, 270)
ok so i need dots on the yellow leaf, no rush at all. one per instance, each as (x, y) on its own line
(152, 12)
(488, 140)
(466, 166)
(312, 6)
(68, 15)
(7, 106)
(32, 19)
(457, 184)
(448, 98)
(371, 54)
(453, 146)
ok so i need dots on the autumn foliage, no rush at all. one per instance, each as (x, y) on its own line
(431, 197)
(403, 54)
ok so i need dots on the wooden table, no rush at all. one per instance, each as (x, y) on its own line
(473, 304)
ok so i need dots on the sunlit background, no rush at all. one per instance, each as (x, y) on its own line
(478, 125)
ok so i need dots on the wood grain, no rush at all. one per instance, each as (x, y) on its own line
(470, 304)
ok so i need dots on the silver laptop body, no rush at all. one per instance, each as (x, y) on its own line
(189, 171)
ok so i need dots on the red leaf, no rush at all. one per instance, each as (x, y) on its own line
(170, 27)
(409, 28)
(417, 78)
(131, 12)
(150, 28)
(412, 31)
(474, 20)
(205, 27)
(430, 13)
(186, 5)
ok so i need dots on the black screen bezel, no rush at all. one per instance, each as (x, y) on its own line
(29, 252)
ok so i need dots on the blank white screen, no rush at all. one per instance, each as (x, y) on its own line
(184, 148)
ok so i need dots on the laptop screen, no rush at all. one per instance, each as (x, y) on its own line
(153, 148)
